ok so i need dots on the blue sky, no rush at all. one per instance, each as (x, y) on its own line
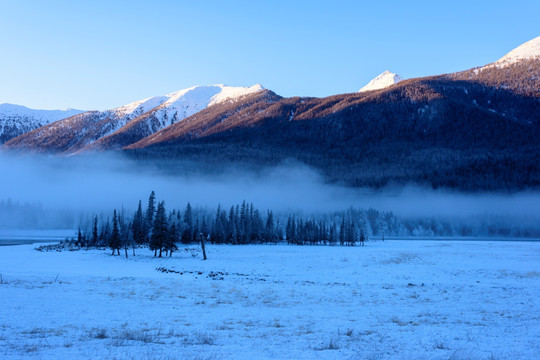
(103, 54)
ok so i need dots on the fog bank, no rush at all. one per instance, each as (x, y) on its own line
(102, 182)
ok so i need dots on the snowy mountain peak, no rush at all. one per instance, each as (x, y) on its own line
(130, 122)
(44, 115)
(140, 107)
(382, 81)
(195, 96)
(211, 94)
(16, 120)
(526, 51)
(183, 103)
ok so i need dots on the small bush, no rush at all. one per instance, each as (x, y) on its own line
(331, 345)
(203, 339)
(99, 334)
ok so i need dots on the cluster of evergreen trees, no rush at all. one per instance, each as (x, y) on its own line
(161, 231)
(314, 232)
(243, 224)
(155, 228)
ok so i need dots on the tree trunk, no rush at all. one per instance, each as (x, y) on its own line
(203, 249)
(118, 251)
(160, 252)
(155, 252)
(170, 254)
(125, 249)
(133, 250)
(112, 252)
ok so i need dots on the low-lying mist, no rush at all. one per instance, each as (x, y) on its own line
(100, 182)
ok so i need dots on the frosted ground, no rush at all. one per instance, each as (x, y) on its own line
(388, 300)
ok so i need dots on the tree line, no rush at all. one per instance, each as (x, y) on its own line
(162, 231)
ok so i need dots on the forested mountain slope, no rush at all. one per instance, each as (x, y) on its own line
(471, 130)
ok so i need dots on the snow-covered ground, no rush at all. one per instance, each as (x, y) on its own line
(387, 300)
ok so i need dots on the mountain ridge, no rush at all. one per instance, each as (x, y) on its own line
(471, 130)
(382, 81)
(75, 133)
(16, 120)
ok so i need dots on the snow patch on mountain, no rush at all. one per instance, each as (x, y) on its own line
(137, 108)
(184, 103)
(527, 51)
(43, 116)
(16, 120)
(382, 81)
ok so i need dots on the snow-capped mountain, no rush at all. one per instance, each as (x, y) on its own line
(527, 51)
(16, 120)
(485, 110)
(382, 81)
(518, 72)
(181, 104)
(139, 119)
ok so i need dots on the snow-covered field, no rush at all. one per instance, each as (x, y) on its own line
(387, 300)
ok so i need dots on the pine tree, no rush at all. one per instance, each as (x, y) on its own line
(171, 240)
(269, 233)
(232, 230)
(138, 226)
(114, 241)
(288, 230)
(187, 234)
(342, 232)
(160, 230)
(95, 232)
(150, 212)
(217, 233)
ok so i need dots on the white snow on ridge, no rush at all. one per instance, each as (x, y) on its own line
(16, 120)
(382, 81)
(230, 93)
(140, 107)
(170, 108)
(189, 101)
(43, 116)
(526, 51)
(186, 102)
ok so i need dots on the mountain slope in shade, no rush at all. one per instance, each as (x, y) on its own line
(16, 120)
(75, 133)
(382, 81)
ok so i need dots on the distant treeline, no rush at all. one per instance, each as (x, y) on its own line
(161, 230)
(17, 215)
